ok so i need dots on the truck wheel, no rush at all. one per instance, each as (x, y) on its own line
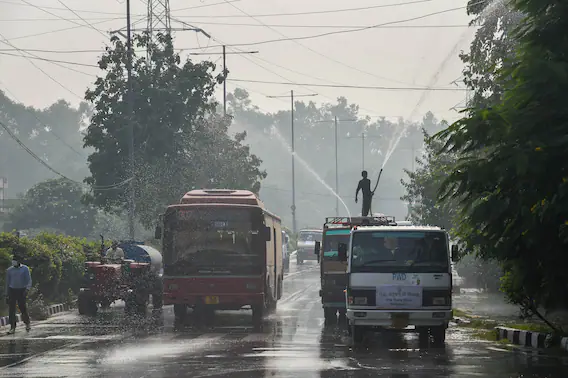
(357, 333)
(329, 315)
(342, 317)
(257, 316)
(439, 335)
(180, 312)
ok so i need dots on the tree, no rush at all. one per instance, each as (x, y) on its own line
(512, 180)
(493, 45)
(53, 134)
(54, 204)
(172, 116)
(424, 184)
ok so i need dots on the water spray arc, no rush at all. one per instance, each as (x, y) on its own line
(293, 152)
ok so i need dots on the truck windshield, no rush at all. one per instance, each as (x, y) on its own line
(214, 240)
(309, 236)
(400, 251)
(332, 238)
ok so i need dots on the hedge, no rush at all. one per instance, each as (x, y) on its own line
(56, 263)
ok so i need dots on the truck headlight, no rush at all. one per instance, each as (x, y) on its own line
(439, 301)
(360, 300)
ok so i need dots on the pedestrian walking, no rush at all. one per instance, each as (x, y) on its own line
(18, 283)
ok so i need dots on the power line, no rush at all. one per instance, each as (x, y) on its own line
(5, 40)
(351, 86)
(51, 131)
(81, 18)
(317, 52)
(314, 36)
(294, 26)
(320, 12)
(103, 12)
(51, 60)
(42, 162)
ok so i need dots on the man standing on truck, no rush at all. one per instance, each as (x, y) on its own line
(365, 187)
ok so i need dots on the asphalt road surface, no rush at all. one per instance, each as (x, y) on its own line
(293, 343)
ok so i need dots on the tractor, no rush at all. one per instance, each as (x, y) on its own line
(133, 281)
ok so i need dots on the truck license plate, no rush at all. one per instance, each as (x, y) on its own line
(399, 320)
(211, 300)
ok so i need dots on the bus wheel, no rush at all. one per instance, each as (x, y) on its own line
(257, 316)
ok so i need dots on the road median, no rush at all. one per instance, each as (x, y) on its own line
(50, 311)
(526, 334)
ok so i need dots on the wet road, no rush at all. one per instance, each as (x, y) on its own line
(293, 343)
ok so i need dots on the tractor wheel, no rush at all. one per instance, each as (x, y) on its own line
(86, 306)
(180, 312)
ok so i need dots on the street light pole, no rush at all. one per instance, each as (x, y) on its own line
(336, 174)
(336, 123)
(293, 207)
(130, 104)
(225, 72)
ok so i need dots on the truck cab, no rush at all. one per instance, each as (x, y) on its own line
(333, 271)
(307, 239)
(398, 276)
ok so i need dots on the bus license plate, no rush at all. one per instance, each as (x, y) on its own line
(211, 300)
(399, 320)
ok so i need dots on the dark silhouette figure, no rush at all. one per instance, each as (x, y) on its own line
(365, 187)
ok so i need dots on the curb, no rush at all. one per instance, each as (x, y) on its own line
(51, 310)
(525, 338)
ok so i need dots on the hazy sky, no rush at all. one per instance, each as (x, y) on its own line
(419, 53)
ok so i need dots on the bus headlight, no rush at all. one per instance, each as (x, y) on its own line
(173, 286)
(251, 286)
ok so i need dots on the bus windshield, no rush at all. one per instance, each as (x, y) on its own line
(400, 252)
(332, 238)
(215, 240)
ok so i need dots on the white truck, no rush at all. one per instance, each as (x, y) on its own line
(398, 276)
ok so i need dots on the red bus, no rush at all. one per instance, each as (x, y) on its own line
(222, 250)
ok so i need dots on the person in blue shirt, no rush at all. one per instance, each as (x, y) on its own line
(18, 283)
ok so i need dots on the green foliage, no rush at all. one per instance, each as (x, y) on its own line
(424, 183)
(55, 204)
(56, 263)
(492, 47)
(52, 133)
(512, 181)
(178, 143)
(479, 273)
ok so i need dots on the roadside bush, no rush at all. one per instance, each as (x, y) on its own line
(56, 263)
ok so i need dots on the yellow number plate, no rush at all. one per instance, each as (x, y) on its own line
(211, 300)
(399, 320)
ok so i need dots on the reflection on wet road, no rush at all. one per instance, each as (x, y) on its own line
(293, 343)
